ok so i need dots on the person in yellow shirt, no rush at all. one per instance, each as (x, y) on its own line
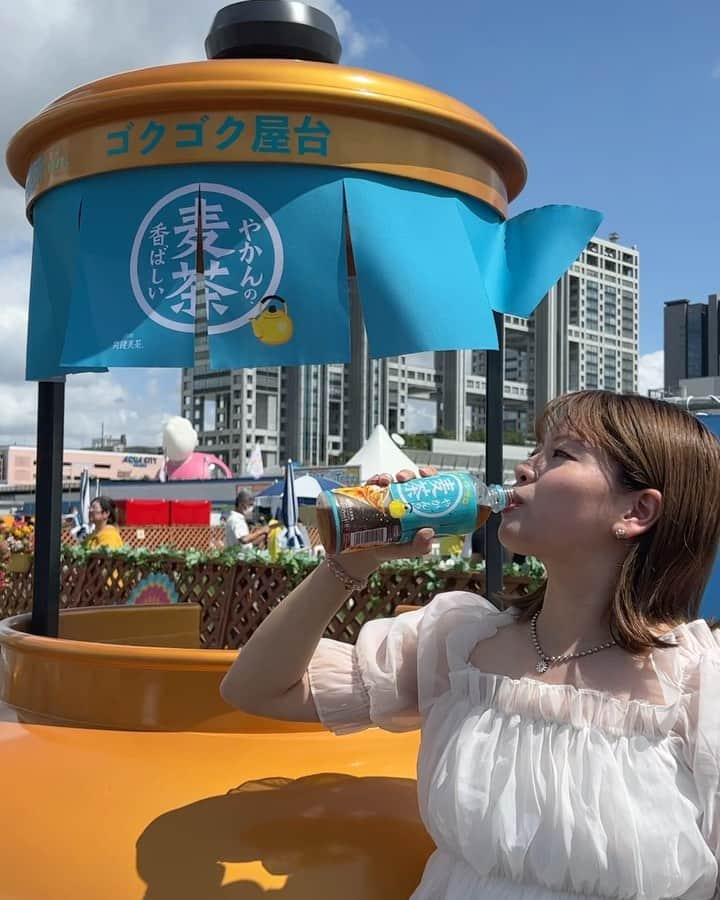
(451, 545)
(103, 516)
(273, 538)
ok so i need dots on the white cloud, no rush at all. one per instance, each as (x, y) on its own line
(91, 399)
(14, 226)
(421, 416)
(51, 48)
(651, 371)
(47, 49)
(93, 402)
(356, 43)
(716, 70)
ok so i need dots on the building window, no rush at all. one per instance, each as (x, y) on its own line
(591, 369)
(335, 418)
(610, 311)
(573, 366)
(266, 411)
(628, 314)
(610, 376)
(574, 301)
(591, 305)
(628, 373)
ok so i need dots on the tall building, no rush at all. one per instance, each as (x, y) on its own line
(586, 330)
(691, 340)
(583, 334)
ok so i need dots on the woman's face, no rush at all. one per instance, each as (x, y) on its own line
(98, 516)
(568, 501)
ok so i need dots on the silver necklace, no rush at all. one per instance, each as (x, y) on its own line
(546, 661)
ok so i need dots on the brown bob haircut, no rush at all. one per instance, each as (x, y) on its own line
(653, 444)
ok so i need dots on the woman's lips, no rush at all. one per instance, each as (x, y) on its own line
(516, 501)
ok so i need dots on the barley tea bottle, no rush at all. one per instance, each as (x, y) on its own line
(370, 515)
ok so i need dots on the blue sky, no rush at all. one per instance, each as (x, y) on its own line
(614, 107)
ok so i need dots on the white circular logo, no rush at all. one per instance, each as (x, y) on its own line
(234, 238)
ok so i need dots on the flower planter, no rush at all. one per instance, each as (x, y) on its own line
(20, 562)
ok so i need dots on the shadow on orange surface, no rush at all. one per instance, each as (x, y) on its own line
(301, 839)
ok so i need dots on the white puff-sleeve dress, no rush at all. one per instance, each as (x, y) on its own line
(531, 790)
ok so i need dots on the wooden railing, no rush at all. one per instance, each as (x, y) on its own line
(236, 598)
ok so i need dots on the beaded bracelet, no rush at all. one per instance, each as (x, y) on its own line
(349, 582)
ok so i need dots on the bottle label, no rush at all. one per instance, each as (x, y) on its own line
(369, 515)
(361, 519)
(446, 503)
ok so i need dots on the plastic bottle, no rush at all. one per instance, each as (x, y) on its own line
(370, 515)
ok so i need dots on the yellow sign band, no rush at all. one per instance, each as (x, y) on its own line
(260, 111)
(254, 136)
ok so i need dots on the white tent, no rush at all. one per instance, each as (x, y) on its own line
(380, 454)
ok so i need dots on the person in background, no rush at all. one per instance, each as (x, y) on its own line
(103, 516)
(237, 528)
(273, 540)
(452, 544)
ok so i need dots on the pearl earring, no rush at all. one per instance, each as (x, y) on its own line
(620, 533)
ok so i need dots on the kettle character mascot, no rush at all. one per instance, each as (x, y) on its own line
(273, 325)
(182, 463)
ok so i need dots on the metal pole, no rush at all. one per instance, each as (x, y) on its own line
(48, 507)
(495, 372)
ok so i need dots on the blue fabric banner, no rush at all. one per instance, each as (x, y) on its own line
(54, 257)
(444, 263)
(710, 607)
(418, 276)
(117, 313)
(524, 257)
(290, 270)
(123, 263)
(262, 248)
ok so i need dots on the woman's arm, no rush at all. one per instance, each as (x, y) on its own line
(256, 536)
(269, 676)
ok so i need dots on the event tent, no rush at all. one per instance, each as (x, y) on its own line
(379, 454)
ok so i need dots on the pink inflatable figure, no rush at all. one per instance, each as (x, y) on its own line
(182, 462)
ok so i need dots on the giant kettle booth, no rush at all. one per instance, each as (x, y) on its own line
(270, 202)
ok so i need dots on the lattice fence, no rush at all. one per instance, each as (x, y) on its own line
(234, 599)
(179, 537)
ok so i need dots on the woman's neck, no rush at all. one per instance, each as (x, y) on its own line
(576, 609)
